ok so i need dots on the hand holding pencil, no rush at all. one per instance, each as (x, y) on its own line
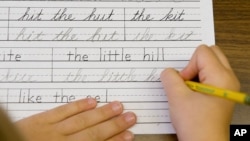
(197, 116)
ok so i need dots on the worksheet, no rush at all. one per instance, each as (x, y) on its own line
(56, 52)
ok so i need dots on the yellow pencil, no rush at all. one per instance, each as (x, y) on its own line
(227, 94)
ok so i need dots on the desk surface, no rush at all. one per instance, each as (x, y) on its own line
(232, 27)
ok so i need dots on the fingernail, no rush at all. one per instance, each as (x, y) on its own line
(116, 106)
(130, 117)
(128, 136)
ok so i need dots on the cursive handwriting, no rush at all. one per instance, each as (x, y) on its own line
(100, 36)
(27, 16)
(141, 16)
(10, 76)
(145, 36)
(62, 15)
(65, 35)
(171, 16)
(93, 16)
(25, 35)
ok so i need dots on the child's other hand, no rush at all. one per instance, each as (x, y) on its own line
(79, 121)
(195, 116)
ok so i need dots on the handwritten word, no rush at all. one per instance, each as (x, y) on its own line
(170, 16)
(27, 16)
(10, 56)
(99, 17)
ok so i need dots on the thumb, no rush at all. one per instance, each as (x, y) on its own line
(174, 85)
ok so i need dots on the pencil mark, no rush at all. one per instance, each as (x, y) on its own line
(181, 36)
(10, 56)
(62, 98)
(115, 76)
(65, 35)
(27, 35)
(62, 15)
(76, 77)
(26, 97)
(153, 76)
(27, 16)
(146, 36)
(174, 16)
(93, 16)
(75, 56)
(11, 76)
(141, 16)
(100, 35)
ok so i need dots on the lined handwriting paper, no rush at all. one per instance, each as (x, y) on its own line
(53, 53)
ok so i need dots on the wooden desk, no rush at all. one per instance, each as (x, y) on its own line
(232, 30)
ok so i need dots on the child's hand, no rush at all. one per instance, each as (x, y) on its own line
(79, 121)
(195, 116)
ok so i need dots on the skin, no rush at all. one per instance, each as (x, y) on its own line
(195, 116)
(80, 121)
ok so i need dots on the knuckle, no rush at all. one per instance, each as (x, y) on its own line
(77, 106)
(79, 121)
(119, 124)
(230, 80)
(102, 111)
(106, 112)
(92, 135)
